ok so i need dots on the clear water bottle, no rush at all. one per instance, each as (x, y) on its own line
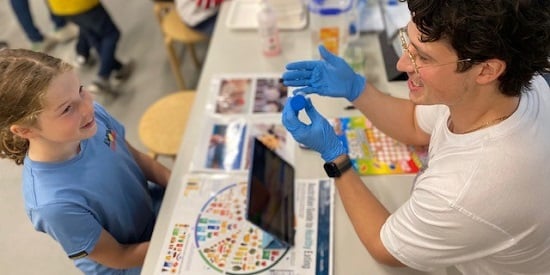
(267, 28)
(354, 53)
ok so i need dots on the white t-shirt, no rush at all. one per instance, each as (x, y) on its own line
(481, 203)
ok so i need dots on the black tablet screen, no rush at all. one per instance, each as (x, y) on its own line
(270, 203)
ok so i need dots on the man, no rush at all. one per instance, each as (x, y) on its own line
(477, 98)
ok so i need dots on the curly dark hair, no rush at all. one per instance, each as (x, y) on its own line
(515, 31)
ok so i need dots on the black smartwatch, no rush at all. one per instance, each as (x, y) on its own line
(335, 170)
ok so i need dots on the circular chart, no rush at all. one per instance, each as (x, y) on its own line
(226, 241)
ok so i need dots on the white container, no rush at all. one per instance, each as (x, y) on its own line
(268, 31)
(330, 23)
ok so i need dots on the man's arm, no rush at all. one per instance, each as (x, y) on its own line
(153, 170)
(393, 116)
(366, 214)
(111, 253)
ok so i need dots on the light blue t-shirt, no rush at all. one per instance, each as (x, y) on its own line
(102, 187)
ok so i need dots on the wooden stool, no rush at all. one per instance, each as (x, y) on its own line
(174, 30)
(162, 125)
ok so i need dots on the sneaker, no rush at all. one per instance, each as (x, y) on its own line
(125, 71)
(82, 61)
(45, 45)
(101, 97)
(66, 33)
(101, 85)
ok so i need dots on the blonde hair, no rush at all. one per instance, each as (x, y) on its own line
(24, 79)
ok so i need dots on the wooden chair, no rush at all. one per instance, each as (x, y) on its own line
(174, 30)
(162, 125)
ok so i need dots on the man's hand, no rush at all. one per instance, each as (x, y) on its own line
(331, 76)
(318, 135)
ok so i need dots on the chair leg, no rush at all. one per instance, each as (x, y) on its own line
(194, 55)
(175, 64)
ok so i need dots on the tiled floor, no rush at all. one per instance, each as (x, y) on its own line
(23, 250)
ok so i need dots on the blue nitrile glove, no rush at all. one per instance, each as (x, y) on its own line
(318, 135)
(331, 76)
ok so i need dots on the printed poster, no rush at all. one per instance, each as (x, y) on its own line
(374, 153)
(229, 140)
(248, 94)
(210, 235)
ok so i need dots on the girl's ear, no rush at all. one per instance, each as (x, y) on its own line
(492, 69)
(21, 131)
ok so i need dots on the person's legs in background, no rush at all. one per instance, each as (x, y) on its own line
(63, 32)
(84, 56)
(101, 33)
(58, 22)
(38, 41)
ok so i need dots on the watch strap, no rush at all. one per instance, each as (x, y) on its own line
(335, 170)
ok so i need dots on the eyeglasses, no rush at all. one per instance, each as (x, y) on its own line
(406, 41)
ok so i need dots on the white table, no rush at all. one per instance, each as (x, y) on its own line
(239, 52)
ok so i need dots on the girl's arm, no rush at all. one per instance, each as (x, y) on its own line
(154, 171)
(111, 253)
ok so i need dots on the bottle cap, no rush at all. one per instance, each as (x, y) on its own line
(298, 102)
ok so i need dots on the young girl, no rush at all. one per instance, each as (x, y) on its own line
(83, 183)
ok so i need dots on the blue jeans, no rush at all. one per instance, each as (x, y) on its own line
(207, 26)
(98, 31)
(23, 13)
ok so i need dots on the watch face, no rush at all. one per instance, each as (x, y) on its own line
(332, 170)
